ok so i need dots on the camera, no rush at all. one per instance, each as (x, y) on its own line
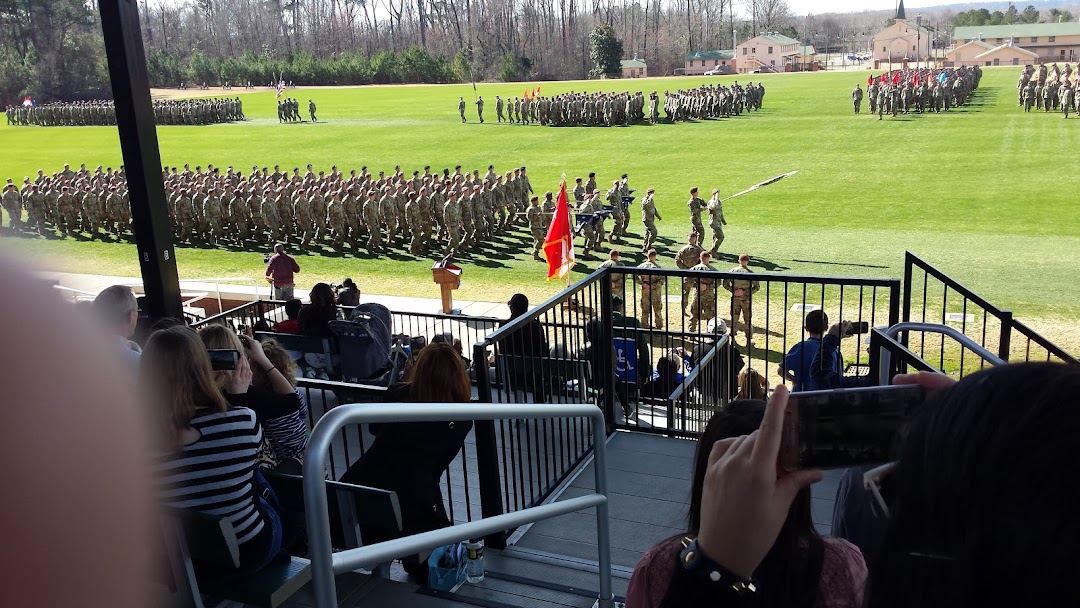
(337, 288)
(266, 258)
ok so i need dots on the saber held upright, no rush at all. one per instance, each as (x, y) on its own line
(771, 180)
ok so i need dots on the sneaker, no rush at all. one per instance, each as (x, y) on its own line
(309, 373)
(323, 375)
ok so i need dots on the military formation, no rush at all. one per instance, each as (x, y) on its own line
(288, 110)
(79, 202)
(606, 109)
(919, 90)
(1050, 89)
(424, 212)
(103, 113)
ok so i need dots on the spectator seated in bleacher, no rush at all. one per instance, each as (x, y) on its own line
(752, 385)
(409, 458)
(278, 406)
(119, 313)
(315, 318)
(981, 496)
(525, 349)
(800, 569)
(796, 365)
(729, 357)
(348, 294)
(827, 367)
(668, 376)
(291, 324)
(209, 459)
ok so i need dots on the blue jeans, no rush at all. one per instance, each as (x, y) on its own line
(266, 546)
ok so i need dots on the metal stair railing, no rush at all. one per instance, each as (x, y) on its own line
(325, 564)
(885, 343)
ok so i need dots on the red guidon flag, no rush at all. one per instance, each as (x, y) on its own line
(559, 244)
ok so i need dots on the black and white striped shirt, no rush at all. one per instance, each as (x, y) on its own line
(214, 475)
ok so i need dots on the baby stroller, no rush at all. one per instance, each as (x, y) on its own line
(369, 354)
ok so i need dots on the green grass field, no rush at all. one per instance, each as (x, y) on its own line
(986, 192)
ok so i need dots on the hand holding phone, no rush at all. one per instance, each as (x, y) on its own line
(847, 427)
(223, 359)
(745, 500)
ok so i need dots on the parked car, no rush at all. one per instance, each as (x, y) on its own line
(714, 72)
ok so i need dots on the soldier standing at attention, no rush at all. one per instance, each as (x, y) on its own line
(536, 225)
(686, 258)
(696, 206)
(549, 203)
(499, 107)
(649, 215)
(652, 294)
(703, 306)
(716, 221)
(480, 108)
(856, 97)
(618, 279)
(741, 292)
(311, 110)
(461, 108)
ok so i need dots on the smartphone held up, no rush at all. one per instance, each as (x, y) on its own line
(223, 360)
(847, 427)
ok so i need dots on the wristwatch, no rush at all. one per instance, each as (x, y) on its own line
(694, 561)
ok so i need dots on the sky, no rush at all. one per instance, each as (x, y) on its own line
(816, 7)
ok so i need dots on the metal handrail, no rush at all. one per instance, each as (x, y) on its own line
(892, 332)
(325, 563)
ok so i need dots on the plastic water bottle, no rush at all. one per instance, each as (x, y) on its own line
(474, 561)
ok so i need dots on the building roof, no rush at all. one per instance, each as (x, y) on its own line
(1007, 46)
(900, 11)
(980, 43)
(780, 39)
(632, 63)
(807, 50)
(728, 54)
(1017, 30)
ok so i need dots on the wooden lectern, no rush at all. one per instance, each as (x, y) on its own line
(448, 277)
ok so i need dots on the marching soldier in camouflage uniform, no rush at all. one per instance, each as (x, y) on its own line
(304, 220)
(686, 258)
(652, 294)
(413, 212)
(741, 292)
(536, 225)
(35, 210)
(372, 221)
(716, 221)
(703, 304)
(649, 215)
(212, 217)
(335, 218)
(388, 215)
(451, 213)
(617, 212)
(12, 203)
(696, 206)
(624, 193)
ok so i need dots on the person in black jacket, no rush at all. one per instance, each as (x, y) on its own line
(315, 317)
(409, 458)
(527, 350)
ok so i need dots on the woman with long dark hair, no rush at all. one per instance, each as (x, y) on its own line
(982, 509)
(802, 569)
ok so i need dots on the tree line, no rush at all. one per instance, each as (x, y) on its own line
(52, 49)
